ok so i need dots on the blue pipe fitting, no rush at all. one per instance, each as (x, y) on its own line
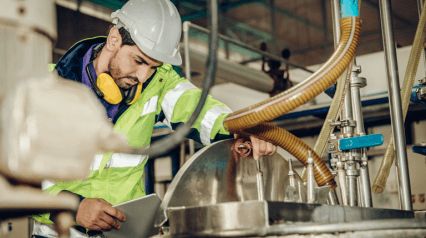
(349, 8)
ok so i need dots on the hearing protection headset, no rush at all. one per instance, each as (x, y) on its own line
(106, 88)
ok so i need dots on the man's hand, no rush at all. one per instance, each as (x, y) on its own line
(98, 214)
(261, 147)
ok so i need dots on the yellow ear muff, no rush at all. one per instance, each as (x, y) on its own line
(137, 94)
(109, 88)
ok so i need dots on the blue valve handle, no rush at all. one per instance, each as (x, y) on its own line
(414, 97)
(360, 142)
(419, 149)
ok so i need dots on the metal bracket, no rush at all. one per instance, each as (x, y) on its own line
(343, 123)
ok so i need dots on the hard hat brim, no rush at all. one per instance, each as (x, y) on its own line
(173, 60)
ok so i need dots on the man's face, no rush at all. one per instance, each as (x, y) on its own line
(129, 66)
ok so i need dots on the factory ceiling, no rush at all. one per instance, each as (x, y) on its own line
(302, 26)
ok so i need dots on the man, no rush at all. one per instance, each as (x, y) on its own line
(130, 71)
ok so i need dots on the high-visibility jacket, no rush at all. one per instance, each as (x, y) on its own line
(168, 97)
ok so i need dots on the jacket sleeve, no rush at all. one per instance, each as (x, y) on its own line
(178, 100)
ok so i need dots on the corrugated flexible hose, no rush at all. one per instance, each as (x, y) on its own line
(296, 147)
(303, 92)
(245, 120)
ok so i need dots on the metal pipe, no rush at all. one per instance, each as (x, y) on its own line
(259, 181)
(310, 184)
(356, 84)
(341, 176)
(347, 114)
(335, 14)
(395, 104)
(332, 197)
(349, 193)
(251, 48)
(367, 200)
(352, 177)
(191, 147)
(185, 29)
(409, 79)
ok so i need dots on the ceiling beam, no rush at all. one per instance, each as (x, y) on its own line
(237, 25)
(230, 5)
(290, 14)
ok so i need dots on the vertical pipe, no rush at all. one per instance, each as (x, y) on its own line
(182, 153)
(341, 175)
(259, 181)
(310, 186)
(353, 191)
(332, 197)
(291, 178)
(335, 14)
(395, 105)
(273, 26)
(352, 177)
(347, 114)
(191, 147)
(346, 107)
(357, 83)
(367, 200)
(185, 27)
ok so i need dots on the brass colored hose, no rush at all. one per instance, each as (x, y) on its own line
(296, 147)
(409, 78)
(247, 120)
(303, 92)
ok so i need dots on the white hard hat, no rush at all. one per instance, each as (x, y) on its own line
(154, 25)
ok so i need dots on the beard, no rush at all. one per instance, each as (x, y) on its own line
(118, 76)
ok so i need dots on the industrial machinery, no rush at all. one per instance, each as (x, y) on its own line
(219, 194)
(221, 191)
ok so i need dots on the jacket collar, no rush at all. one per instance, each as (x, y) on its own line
(69, 65)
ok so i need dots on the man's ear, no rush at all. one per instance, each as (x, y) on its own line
(113, 41)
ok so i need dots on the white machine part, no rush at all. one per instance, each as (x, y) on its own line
(50, 128)
(27, 30)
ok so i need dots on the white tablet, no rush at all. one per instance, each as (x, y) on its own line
(140, 214)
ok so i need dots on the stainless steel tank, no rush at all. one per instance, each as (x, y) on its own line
(211, 177)
(215, 195)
